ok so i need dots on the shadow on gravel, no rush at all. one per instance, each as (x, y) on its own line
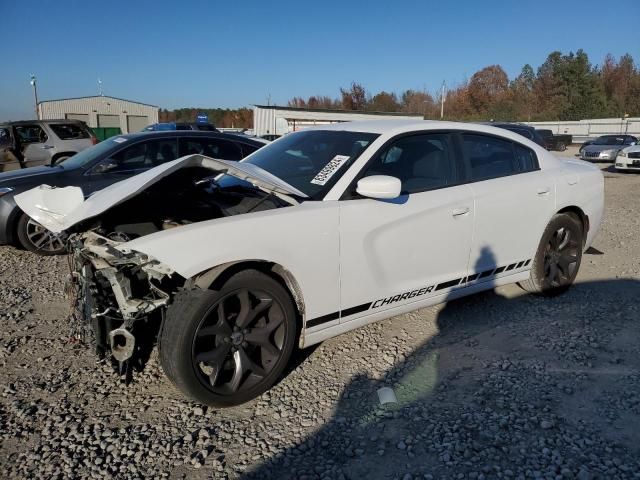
(479, 400)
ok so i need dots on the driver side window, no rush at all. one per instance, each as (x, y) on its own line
(421, 162)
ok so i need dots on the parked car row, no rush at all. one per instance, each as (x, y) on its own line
(229, 265)
(606, 147)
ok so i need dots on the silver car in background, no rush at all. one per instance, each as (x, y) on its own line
(606, 147)
(33, 143)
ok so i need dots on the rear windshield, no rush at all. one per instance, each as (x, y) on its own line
(69, 131)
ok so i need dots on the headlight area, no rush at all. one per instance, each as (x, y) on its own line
(117, 297)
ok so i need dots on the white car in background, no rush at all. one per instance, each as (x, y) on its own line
(231, 264)
(628, 159)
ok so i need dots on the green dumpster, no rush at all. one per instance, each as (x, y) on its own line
(102, 133)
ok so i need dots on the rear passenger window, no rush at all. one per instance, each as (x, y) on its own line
(69, 131)
(526, 159)
(248, 149)
(491, 157)
(214, 148)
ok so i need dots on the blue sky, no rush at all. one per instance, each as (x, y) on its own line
(232, 54)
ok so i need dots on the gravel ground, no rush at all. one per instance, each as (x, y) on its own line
(497, 385)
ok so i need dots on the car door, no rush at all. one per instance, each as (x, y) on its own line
(8, 159)
(394, 252)
(129, 161)
(35, 144)
(514, 200)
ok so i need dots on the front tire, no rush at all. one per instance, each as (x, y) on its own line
(226, 347)
(37, 239)
(557, 260)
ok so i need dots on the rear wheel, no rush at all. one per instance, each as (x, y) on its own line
(556, 264)
(226, 347)
(561, 147)
(35, 238)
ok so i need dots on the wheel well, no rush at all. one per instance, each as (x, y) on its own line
(584, 219)
(215, 278)
(12, 226)
(62, 154)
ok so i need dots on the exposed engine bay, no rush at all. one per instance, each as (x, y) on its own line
(118, 296)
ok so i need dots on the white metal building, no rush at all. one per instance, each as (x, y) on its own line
(271, 119)
(101, 111)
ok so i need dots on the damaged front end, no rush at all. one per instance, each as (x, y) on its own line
(118, 297)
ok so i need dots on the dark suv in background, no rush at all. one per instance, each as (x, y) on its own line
(521, 129)
(32, 143)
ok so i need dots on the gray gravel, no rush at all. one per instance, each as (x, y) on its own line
(498, 385)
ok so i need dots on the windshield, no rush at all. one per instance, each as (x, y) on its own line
(608, 140)
(88, 155)
(311, 161)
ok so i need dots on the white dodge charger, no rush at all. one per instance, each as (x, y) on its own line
(228, 266)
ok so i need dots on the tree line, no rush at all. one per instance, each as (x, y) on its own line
(564, 87)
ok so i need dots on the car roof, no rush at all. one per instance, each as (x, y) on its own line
(187, 133)
(406, 126)
(30, 122)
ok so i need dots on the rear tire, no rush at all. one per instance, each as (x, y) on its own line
(226, 347)
(37, 239)
(557, 260)
(561, 147)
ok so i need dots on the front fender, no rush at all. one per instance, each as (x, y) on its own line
(303, 239)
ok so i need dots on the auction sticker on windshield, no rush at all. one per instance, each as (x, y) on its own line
(329, 170)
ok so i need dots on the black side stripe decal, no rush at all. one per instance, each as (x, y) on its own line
(335, 315)
(354, 310)
(450, 283)
(441, 286)
(323, 319)
(486, 273)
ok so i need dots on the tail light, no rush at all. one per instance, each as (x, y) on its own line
(94, 140)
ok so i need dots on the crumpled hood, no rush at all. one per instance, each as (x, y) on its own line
(57, 209)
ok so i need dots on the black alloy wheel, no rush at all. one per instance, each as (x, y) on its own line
(557, 260)
(225, 347)
(239, 341)
(561, 258)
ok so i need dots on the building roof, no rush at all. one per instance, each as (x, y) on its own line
(336, 110)
(96, 96)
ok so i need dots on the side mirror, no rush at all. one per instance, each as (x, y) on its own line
(379, 186)
(105, 166)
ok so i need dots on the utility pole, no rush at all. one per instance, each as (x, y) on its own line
(268, 100)
(99, 87)
(442, 101)
(35, 95)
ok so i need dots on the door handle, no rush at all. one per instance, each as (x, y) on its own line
(543, 191)
(460, 211)
(47, 147)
